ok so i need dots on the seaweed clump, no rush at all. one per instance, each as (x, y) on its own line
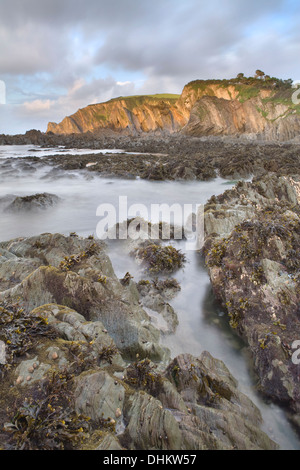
(162, 259)
(70, 261)
(142, 375)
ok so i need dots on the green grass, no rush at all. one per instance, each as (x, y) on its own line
(262, 112)
(142, 98)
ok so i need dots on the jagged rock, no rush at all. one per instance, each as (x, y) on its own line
(222, 417)
(73, 327)
(150, 426)
(95, 322)
(225, 212)
(27, 374)
(195, 405)
(154, 296)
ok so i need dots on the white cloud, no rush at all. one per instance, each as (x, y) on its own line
(124, 83)
(37, 106)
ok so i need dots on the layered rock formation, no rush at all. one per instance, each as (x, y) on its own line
(253, 109)
(137, 114)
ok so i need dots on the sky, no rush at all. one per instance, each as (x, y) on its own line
(61, 55)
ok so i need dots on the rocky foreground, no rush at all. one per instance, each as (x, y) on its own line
(82, 366)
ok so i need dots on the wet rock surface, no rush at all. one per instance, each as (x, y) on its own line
(163, 157)
(83, 368)
(252, 253)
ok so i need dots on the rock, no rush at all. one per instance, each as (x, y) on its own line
(89, 328)
(73, 327)
(26, 373)
(205, 108)
(154, 295)
(150, 426)
(221, 415)
(109, 442)
(194, 405)
(99, 395)
(134, 114)
(7, 199)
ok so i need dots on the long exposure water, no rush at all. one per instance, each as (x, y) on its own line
(202, 323)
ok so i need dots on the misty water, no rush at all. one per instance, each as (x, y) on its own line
(202, 323)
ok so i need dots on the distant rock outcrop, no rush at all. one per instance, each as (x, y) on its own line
(34, 202)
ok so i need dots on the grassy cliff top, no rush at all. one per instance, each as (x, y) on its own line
(266, 82)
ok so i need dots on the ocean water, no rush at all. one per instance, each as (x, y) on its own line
(202, 323)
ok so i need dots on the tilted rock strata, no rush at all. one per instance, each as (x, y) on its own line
(252, 253)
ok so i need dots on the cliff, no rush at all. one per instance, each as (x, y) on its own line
(252, 108)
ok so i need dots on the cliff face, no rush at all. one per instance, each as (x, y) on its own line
(244, 111)
(204, 108)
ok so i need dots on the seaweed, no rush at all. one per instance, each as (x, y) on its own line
(70, 261)
(126, 279)
(107, 353)
(142, 375)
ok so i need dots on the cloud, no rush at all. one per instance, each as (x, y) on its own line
(38, 112)
(37, 106)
